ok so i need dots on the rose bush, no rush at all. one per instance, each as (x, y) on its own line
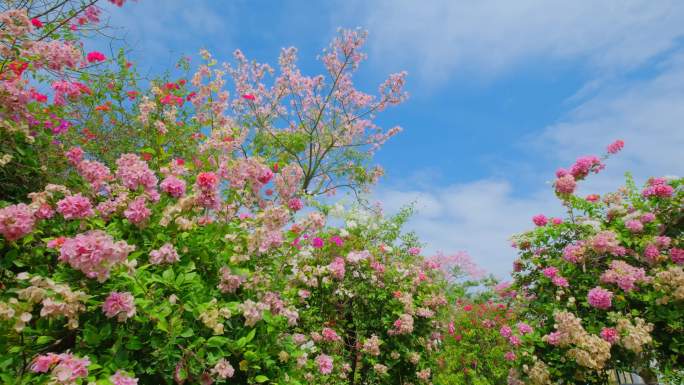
(602, 287)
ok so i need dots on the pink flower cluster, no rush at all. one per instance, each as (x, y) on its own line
(606, 242)
(75, 207)
(137, 211)
(165, 254)
(133, 172)
(173, 186)
(609, 335)
(337, 268)
(94, 253)
(624, 275)
(94, 172)
(540, 220)
(574, 252)
(402, 325)
(66, 368)
(229, 282)
(16, 221)
(551, 272)
(657, 187)
(330, 335)
(325, 364)
(677, 255)
(600, 298)
(615, 147)
(121, 305)
(207, 184)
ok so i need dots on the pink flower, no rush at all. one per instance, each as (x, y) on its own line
(556, 221)
(584, 165)
(600, 298)
(514, 340)
(265, 176)
(609, 335)
(330, 335)
(36, 23)
(550, 272)
(207, 181)
(43, 363)
(295, 204)
(337, 268)
(75, 207)
(647, 218)
(624, 275)
(574, 252)
(74, 155)
(524, 328)
(540, 220)
(119, 378)
(677, 255)
(173, 186)
(592, 198)
(223, 369)
(651, 253)
(560, 281)
(16, 221)
(414, 250)
(249, 97)
(506, 331)
(509, 356)
(94, 253)
(634, 226)
(137, 211)
(165, 254)
(325, 364)
(336, 240)
(615, 147)
(317, 242)
(121, 305)
(95, 56)
(69, 368)
(657, 187)
(553, 338)
(565, 185)
(134, 172)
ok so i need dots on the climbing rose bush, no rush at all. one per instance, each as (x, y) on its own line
(602, 288)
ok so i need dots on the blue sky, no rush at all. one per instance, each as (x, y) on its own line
(502, 93)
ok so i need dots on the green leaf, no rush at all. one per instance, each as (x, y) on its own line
(260, 378)
(218, 342)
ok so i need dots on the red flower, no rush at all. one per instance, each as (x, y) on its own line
(147, 156)
(191, 95)
(37, 96)
(95, 56)
(275, 167)
(468, 307)
(249, 97)
(132, 94)
(37, 23)
(171, 86)
(18, 67)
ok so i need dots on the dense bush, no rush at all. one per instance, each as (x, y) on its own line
(602, 287)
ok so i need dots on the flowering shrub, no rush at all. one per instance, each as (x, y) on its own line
(603, 287)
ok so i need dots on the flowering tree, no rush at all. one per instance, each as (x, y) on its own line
(604, 286)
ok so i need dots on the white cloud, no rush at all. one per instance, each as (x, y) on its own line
(477, 217)
(488, 37)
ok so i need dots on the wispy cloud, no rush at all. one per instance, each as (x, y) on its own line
(487, 38)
